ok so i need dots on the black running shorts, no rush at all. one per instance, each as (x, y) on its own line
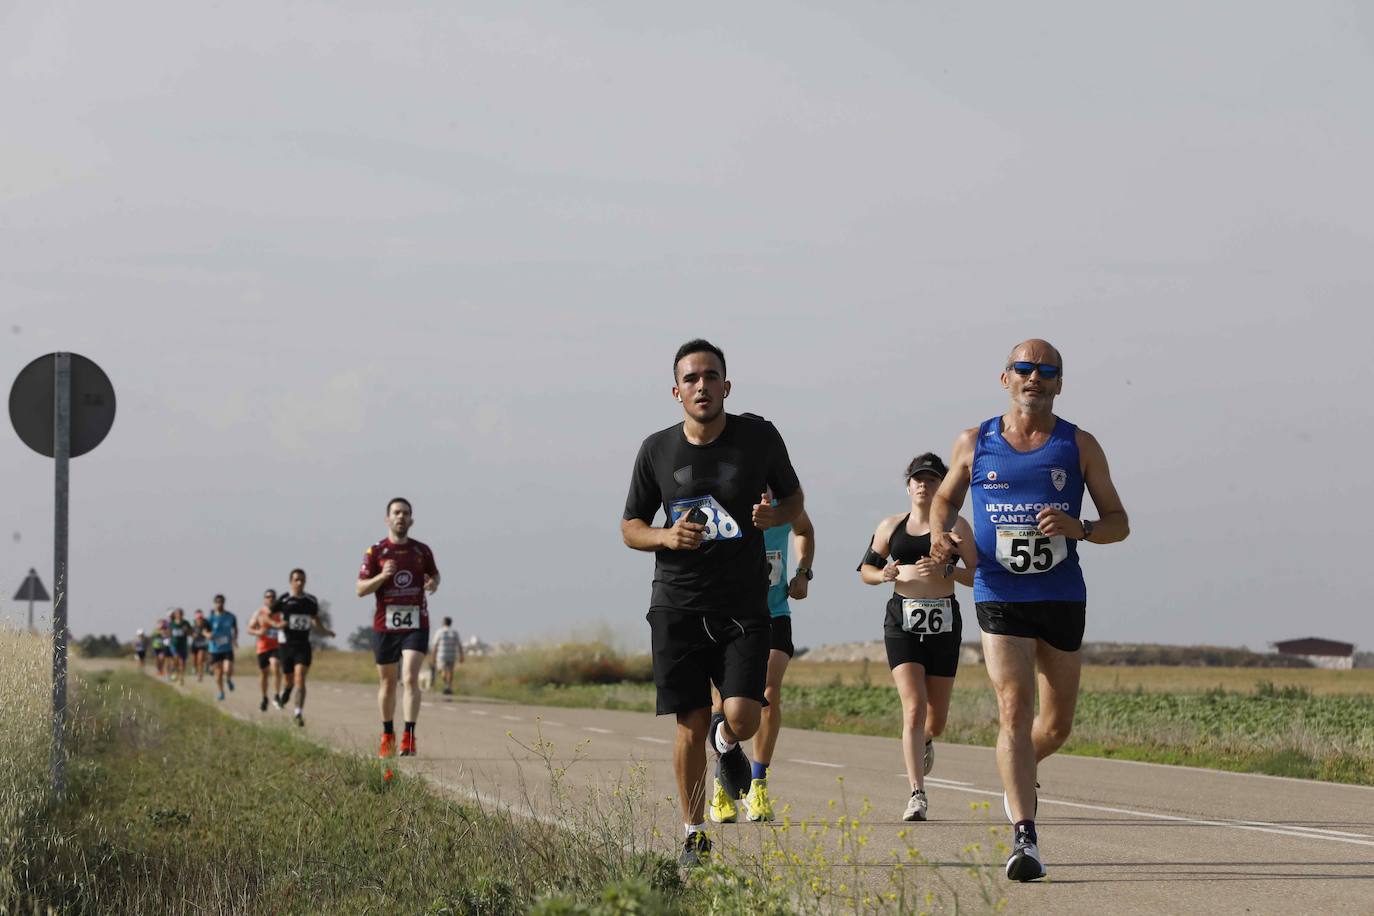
(692, 651)
(265, 658)
(1059, 623)
(217, 657)
(938, 654)
(387, 647)
(782, 635)
(295, 653)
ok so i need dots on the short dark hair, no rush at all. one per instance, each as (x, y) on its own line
(398, 499)
(448, 621)
(219, 597)
(926, 461)
(698, 345)
(296, 570)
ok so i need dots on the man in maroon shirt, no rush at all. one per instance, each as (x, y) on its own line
(400, 571)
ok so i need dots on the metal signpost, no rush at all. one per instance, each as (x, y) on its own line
(62, 405)
(32, 590)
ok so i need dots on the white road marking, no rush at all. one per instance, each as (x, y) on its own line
(599, 731)
(513, 718)
(478, 712)
(654, 740)
(944, 782)
(1306, 833)
(818, 763)
(551, 722)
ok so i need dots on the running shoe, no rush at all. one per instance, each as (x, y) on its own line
(277, 702)
(929, 760)
(695, 849)
(1006, 806)
(263, 705)
(758, 806)
(388, 748)
(1024, 863)
(448, 691)
(723, 810)
(735, 773)
(408, 744)
(917, 807)
(716, 719)
(230, 681)
(221, 696)
(300, 720)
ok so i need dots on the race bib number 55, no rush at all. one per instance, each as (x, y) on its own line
(402, 617)
(720, 526)
(1023, 550)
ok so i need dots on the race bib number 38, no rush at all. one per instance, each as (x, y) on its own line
(720, 526)
(927, 616)
(402, 617)
(1023, 550)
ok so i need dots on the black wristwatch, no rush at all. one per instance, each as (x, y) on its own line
(806, 571)
(1087, 528)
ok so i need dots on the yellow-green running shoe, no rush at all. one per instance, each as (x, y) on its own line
(723, 809)
(757, 805)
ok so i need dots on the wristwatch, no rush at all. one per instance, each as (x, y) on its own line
(1087, 529)
(806, 571)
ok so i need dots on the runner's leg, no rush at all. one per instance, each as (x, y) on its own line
(938, 692)
(1010, 662)
(771, 717)
(689, 763)
(910, 678)
(1057, 677)
(411, 663)
(386, 692)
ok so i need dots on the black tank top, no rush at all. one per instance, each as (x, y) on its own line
(907, 548)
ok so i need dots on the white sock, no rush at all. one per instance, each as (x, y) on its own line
(723, 746)
(695, 828)
(298, 710)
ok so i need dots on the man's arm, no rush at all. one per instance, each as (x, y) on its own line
(1114, 525)
(804, 543)
(944, 509)
(787, 510)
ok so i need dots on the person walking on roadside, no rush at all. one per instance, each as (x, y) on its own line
(1027, 470)
(448, 651)
(224, 637)
(299, 615)
(401, 573)
(922, 628)
(708, 614)
(262, 626)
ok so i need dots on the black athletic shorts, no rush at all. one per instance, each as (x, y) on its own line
(179, 649)
(217, 657)
(387, 647)
(141, 655)
(1059, 623)
(782, 635)
(265, 658)
(938, 654)
(295, 653)
(692, 651)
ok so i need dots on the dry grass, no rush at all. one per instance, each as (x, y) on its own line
(25, 702)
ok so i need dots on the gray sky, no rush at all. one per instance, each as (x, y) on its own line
(335, 252)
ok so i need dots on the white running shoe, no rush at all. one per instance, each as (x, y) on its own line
(917, 807)
(1024, 863)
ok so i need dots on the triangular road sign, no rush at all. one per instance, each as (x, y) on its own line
(32, 589)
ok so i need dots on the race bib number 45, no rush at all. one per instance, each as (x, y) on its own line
(402, 617)
(1023, 550)
(720, 526)
(927, 616)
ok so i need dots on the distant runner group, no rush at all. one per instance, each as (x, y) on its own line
(719, 621)
(719, 615)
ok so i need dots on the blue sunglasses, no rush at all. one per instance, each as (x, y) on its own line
(1024, 369)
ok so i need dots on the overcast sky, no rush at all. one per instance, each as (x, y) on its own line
(335, 252)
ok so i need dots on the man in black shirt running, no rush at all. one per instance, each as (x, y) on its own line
(709, 611)
(298, 615)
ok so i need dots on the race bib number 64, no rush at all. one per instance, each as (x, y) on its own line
(1023, 550)
(720, 526)
(402, 617)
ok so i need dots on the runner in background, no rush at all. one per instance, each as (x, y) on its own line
(179, 634)
(447, 651)
(141, 649)
(300, 615)
(262, 626)
(200, 645)
(224, 637)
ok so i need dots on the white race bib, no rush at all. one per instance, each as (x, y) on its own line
(298, 622)
(1023, 550)
(276, 634)
(720, 525)
(401, 617)
(774, 568)
(927, 616)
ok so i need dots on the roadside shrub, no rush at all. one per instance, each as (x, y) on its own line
(568, 663)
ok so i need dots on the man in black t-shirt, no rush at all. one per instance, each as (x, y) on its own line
(297, 613)
(708, 614)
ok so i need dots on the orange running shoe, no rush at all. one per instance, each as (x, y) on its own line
(408, 744)
(388, 748)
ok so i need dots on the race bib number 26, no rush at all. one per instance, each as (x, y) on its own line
(927, 616)
(1023, 550)
(720, 526)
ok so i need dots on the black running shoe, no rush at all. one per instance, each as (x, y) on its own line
(735, 772)
(300, 720)
(263, 705)
(1025, 864)
(695, 850)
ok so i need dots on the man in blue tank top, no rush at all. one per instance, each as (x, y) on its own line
(1026, 471)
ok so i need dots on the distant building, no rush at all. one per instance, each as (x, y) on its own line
(1323, 653)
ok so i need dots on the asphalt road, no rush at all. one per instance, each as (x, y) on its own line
(1117, 837)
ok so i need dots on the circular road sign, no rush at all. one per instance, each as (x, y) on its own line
(32, 404)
